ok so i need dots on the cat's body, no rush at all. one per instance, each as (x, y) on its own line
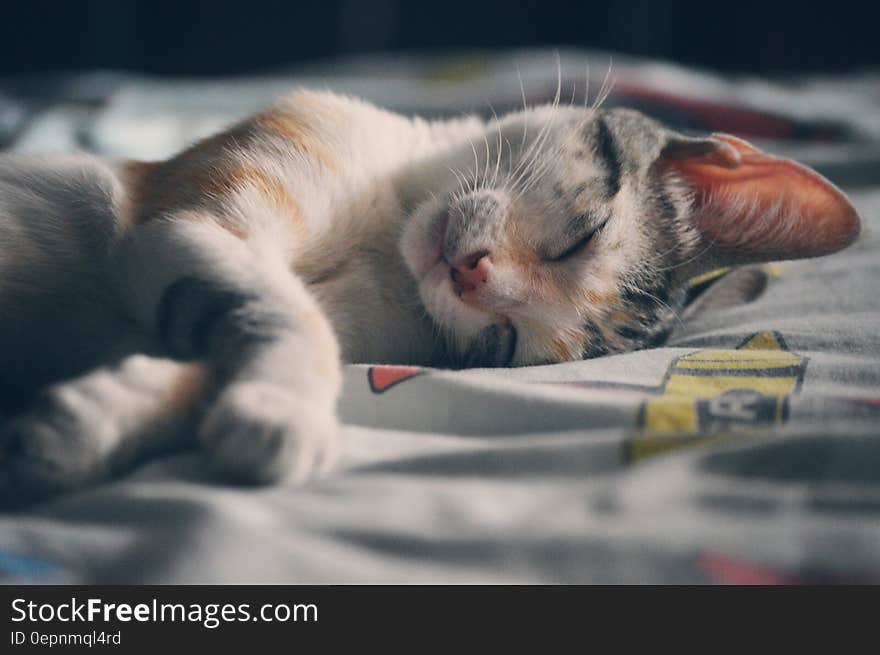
(324, 230)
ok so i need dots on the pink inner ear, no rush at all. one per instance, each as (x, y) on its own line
(753, 206)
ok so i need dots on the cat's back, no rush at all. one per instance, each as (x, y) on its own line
(297, 158)
(311, 174)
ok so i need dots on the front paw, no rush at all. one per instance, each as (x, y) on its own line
(61, 444)
(260, 433)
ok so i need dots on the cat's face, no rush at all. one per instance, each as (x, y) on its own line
(571, 230)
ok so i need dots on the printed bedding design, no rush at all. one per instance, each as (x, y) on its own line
(744, 451)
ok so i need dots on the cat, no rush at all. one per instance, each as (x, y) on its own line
(210, 298)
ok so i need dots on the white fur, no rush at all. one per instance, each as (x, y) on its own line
(64, 235)
(358, 275)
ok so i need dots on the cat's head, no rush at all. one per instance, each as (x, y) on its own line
(573, 228)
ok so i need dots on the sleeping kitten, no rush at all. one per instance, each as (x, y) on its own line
(215, 294)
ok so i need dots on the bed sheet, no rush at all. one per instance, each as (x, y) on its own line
(746, 450)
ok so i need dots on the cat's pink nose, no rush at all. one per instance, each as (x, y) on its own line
(471, 272)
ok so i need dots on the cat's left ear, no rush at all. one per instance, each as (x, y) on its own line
(751, 207)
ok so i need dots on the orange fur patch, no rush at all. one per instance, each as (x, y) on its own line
(186, 391)
(272, 188)
(563, 349)
(613, 340)
(154, 189)
(601, 299)
(295, 133)
(519, 250)
(621, 317)
(208, 173)
(138, 179)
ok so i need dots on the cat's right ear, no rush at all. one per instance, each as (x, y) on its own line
(749, 206)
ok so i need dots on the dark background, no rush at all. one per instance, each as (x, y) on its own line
(221, 36)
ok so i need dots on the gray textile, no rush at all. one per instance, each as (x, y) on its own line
(746, 450)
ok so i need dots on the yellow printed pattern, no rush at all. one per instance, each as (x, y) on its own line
(713, 395)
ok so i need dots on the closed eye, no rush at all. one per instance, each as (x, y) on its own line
(577, 246)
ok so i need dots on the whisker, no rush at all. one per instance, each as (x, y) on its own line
(587, 86)
(543, 136)
(509, 158)
(458, 176)
(498, 157)
(689, 260)
(533, 150)
(538, 174)
(522, 172)
(558, 79)
(476, 164)
(522, 90)
(500, 145)
(483, 180)
(607, 85)
(660, 302)
(694, 257)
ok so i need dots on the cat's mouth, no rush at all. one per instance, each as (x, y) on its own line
(463, 297)
(486, 336)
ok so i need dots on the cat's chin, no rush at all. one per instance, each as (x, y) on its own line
(456, 313)
(464, 321)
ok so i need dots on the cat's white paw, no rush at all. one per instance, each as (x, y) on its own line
(261, 432)
(64, 442)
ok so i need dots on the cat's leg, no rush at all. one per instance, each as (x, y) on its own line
(271, 355)
(95, 426)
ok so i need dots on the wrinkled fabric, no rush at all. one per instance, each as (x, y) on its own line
(746, 450)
